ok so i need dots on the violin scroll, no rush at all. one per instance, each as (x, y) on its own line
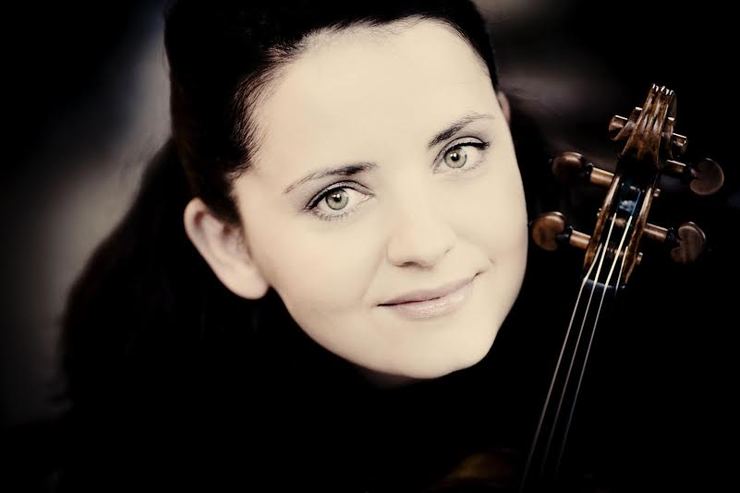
(651, 149)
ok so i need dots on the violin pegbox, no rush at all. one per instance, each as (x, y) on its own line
(650, 148)
(704, 178)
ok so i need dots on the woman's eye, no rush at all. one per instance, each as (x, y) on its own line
(463, 155)
(342, 199)
(336, 202)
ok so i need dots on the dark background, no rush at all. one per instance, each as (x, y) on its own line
(86, 106)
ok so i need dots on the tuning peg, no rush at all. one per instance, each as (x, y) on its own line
(708, 177)
(569, 166)
(549, 230)
(687, 240)
(704, 178)
(690, 241)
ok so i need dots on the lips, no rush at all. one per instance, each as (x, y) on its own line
(428, 294)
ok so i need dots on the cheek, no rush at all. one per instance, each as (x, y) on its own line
(498, 212)
(317, 271)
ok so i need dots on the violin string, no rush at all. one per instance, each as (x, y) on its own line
(578, 343)
(554, 377)
(618, 258)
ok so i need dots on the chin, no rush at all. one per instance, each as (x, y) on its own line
(447, 364)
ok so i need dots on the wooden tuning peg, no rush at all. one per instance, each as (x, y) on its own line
(569, 166)
(687, 240)
(704, 178)
(690, 241)
(549, 230)
(707, 177)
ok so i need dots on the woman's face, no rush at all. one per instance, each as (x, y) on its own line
(432, 196)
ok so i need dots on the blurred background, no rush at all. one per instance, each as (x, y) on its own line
(87, 106)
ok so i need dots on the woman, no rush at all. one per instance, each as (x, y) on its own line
(257, 316)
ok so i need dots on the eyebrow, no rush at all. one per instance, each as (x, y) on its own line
(356, 168)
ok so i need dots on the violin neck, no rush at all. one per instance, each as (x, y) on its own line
(548, 450)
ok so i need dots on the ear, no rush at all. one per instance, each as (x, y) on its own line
(223, 246)
(504, 102)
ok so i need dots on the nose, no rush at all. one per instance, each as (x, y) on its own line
(420, 233)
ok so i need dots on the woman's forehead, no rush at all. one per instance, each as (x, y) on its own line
(360, 63)
(355, 89)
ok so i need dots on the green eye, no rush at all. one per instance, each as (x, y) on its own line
(337, 200)
(456, 157)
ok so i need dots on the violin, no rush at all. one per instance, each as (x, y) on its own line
(650, 149)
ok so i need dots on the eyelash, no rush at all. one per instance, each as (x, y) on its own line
(312, 206)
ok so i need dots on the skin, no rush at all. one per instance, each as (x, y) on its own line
(417, 220)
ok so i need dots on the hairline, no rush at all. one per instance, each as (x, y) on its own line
(254, 91)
